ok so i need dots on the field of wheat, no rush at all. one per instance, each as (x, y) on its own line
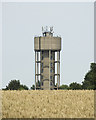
(48, 104)
(0, 104)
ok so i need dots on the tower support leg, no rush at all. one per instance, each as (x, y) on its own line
(49, 68)
(59, 69)
(35, 70)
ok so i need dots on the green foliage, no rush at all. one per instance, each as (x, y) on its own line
(15, 85)
(93, 66)
(37, 84)
(90, 78)
(75, 86)
(33, 87)
(5, 88)
(23, 87)
(65, 87)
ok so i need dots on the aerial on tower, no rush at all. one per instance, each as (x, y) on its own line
(47, 31)
(47, 59)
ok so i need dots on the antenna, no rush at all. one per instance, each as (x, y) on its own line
(46, 28)
(42, 29)
(51, 29)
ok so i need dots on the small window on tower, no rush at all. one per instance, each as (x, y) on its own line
(51, 57)
(51, 64)
(51, 70)
(42, 70)
(42, 57)
(41, 76)
(51, 77)
(42, 83)
(50, 83)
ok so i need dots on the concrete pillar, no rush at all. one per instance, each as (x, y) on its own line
(49, 67)
(40, 68)
(37, 67)
(35, 70)
(59, 68)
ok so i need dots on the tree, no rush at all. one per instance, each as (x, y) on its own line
(75, 86)
(33, 87)
(13, 85)
(65, 87)
(90, 78)
(23, 87)
(38, 84)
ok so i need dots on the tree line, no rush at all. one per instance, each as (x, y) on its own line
(89, 82)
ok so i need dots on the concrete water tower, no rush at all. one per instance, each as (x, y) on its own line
(47, 60)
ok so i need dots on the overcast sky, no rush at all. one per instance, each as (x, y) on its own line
(22, 21)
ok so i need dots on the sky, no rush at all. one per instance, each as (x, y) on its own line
(74, 22)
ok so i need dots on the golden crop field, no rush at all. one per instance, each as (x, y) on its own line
(48, 104)
(0, 104)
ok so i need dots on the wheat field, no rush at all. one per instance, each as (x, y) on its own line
(48, 104)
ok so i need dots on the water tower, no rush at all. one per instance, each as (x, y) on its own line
(47, 60)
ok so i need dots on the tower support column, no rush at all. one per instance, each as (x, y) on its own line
(49, 68)
(58, 69)
(35, 70)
